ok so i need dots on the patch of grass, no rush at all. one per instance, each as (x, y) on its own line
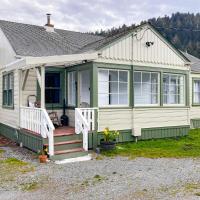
(29, 186)
(181, 147)
(11, 168)
(197, 194)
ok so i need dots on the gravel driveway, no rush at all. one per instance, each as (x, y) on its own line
(107, 178)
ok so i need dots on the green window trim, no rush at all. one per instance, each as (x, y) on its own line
(8, 90)
(193, 80)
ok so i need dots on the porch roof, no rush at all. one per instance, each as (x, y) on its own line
(61, 61)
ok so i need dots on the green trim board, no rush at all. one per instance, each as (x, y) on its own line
(195, 123)
(146, 134)
(30, 141)
(164, 132)
(9, 132)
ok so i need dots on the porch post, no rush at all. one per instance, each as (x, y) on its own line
(42, 87)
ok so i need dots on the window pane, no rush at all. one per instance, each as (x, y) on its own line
(137, 89)
(137, 77)
(103, 75)
(123, 99)
(113, 75)
(123, 87)
(113, 99)
(52, 96)
(123, 76)
(10, 98)
(5, 97)
(154, 78)
(52, 80)
(113, 87)
(145, 77)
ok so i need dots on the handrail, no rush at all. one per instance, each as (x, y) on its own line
(84, 122)
(37, 120)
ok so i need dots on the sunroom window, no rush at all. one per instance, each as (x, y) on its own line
(173, 89)
(196, 92)
(146, 89)
(72, 88)
(112, 87)
(8, 88)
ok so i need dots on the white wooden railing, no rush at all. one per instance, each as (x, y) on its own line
(38, 121)
(85, 121)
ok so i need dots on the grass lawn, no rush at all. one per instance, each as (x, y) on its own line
(182, 147)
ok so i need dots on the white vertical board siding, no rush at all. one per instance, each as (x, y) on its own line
(194, 110)
(115, 119)
(7, 54)
(30, 87)
(10, 116)
(133, 48)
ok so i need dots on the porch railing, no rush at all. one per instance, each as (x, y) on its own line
(38, 121)
(85, 121)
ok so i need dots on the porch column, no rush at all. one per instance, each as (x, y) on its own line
(42, 87)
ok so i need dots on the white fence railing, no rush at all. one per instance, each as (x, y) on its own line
(38, 121)
(85, 121)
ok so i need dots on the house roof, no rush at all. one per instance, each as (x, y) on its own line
(32, 40)
(195, 62)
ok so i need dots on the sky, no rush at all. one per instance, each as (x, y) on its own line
(91, 15)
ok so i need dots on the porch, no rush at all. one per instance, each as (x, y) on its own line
(47, 88)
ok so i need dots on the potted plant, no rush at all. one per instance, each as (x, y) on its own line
(43, 155)
(109, 139)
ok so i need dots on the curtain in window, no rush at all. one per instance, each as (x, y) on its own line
(145, 88)
(112, 87)
(72, 88)
(196, 91)
(173, 89)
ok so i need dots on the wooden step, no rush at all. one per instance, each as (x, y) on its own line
(64, 145)
(69, 151)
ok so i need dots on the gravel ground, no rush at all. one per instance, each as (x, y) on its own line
(107, 178)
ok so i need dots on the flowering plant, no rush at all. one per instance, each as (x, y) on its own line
(110, 136)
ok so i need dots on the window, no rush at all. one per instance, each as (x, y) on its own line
(173, 89)
(146, 89)
(8, 89)
(112, 87)
(72, 88)
(53, 87)
(196, 92)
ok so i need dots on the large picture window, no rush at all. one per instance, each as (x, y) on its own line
(146, 88)
(173, 89)
(196, 91)
(8, 89)
(53, 87)
(112, 87)
(72, 88)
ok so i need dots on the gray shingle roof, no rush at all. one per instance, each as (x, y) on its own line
(32, 40)
(195, 62)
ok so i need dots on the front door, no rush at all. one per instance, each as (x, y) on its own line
(84, 89)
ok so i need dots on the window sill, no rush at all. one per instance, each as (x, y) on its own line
(8, 107)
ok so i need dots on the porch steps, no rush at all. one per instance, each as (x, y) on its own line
(67, 144)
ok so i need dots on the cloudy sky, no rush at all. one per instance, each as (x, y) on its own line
(90, 15)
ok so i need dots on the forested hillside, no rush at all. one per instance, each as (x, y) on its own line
(182, 29)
